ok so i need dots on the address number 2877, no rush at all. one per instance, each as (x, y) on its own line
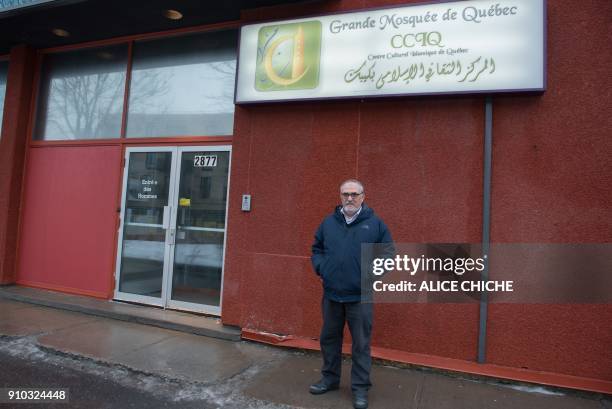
(205, 161)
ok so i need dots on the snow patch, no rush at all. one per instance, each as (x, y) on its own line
(223, 395)
(534, 389)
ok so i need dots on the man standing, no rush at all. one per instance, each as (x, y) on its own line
(336, 258)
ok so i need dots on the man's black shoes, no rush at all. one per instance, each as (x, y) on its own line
(321, 387)
(360, 400)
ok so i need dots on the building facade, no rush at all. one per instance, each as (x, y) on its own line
(124, 161)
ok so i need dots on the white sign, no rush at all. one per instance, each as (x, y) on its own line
(457, 47)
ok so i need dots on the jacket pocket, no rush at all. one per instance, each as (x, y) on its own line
(326, 267)
(328, 272)
(353, 276)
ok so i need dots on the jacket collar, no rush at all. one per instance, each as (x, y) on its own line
(366, 213)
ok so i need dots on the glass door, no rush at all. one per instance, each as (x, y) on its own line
(200, 221)
(172, 231)
(145, 215)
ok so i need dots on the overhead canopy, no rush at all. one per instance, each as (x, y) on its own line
(31, 22)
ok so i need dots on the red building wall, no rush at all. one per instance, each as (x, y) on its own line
(421, 162)
(69, 219)
(13, 144)
(552, 183)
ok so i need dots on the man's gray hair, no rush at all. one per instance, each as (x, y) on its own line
(352, 181)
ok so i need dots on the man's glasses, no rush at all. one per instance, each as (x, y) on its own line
(354, 195)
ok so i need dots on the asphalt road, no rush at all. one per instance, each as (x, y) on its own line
(93, 385)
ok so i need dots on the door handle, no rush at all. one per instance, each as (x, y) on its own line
(166, 217)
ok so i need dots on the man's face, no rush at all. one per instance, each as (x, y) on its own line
(352, 197)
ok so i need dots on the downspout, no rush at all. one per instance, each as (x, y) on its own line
(486, 227)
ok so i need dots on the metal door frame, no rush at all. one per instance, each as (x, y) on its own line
(143, 299)
(183, 305)
(165, 300)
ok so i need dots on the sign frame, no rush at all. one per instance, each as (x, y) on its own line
(506, 91)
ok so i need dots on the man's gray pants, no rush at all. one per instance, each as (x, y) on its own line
(359, 319)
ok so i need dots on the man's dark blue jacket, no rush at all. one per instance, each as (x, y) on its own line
(336, 252)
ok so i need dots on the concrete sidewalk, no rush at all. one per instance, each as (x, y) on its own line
(239, 374)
